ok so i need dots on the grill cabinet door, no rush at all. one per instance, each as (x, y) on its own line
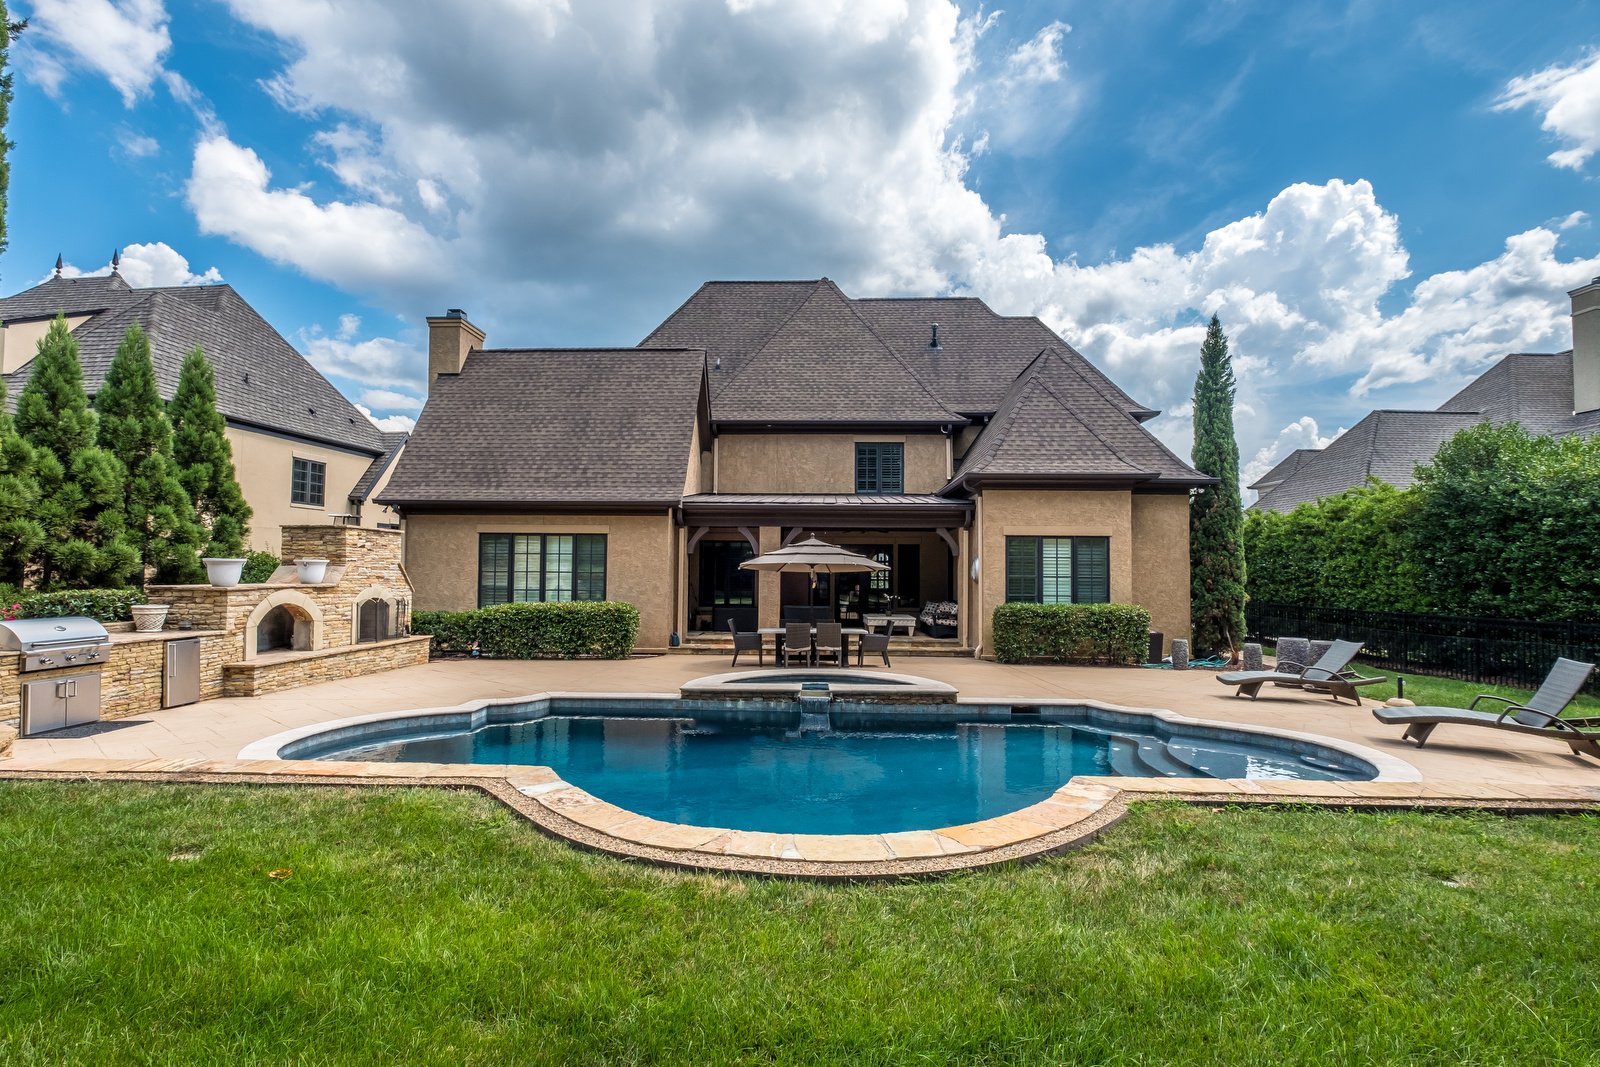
(182, 682)
(44, 706)
(83, 699)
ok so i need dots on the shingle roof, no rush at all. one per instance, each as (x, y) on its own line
(1283, 468)
(1532, 388)
(730, 321)
(567, 426)
(1056, 424)
(824, 364)
(67, 296)
(393, 443)
(261, 379)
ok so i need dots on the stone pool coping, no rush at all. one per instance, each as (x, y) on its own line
(843, 682)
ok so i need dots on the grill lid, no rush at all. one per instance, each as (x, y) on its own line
(31, 635)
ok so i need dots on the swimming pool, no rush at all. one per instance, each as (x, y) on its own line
(828, 768)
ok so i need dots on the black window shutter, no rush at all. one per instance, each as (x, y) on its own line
(891, 468)
(494, 569)
(1022, 569)
(1091, 570)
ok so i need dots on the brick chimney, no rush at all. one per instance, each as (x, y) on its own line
(1586, 347)
(451, 338)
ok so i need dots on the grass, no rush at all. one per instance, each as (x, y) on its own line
(426, 926)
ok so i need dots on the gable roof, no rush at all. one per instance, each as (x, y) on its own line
(1522, 385)
(822, 363)
(66, 296)
(1283, 468)
(261, 380)
(521, 427)
(393, 443)
(1055, 425)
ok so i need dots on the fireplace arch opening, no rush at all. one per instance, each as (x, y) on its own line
(283, 629)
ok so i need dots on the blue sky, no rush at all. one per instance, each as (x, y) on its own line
(1378, 199)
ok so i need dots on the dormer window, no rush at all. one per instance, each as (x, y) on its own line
(880, 467)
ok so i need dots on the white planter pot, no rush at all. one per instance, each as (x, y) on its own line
(311, 571)
(150, 618)
(223, 572)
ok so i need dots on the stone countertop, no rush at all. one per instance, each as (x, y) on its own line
(133, 637)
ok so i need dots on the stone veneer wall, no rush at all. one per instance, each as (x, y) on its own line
(131, 679)
(308, 668)
(359, 560)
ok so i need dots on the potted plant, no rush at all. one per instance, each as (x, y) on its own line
(150, 618)
(311, 571)
(223, 572)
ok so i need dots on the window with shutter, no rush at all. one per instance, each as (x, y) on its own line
(880, 467)
(524, 568)
(1058, 570)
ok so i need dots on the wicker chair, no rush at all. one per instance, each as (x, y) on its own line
(797, 642)
(750, 642)
(874, 642)
(830, 643)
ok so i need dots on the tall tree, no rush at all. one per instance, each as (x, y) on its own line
(134, 428)
(1216, 519)
(205, 458)
(81, 507)
(20, 532)
(8, 30)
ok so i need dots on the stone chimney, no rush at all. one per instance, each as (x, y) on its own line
(451, 338)
(1586, 347)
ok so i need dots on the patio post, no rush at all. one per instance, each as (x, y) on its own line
(769, 586)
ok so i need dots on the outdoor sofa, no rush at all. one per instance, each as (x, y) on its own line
(1540, 715)
(1330, 674)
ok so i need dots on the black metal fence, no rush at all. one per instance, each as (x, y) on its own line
(1514, 652)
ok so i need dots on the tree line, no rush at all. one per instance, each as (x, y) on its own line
(120, 492)
(1501, 523)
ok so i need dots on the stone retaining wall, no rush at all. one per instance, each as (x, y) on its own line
(291, 669)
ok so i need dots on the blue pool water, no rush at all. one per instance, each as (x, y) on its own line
(793, 771)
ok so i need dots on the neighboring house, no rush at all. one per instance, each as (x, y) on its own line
(1556, 394)
(302, 451)
(978, 455)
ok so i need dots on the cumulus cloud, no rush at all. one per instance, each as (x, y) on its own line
(146, 265)
(383, 365)
(1301, 433)
(389, 399)
(1568, 99)
(124, 41)
(389, 423)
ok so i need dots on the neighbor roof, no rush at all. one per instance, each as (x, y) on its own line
(66, 296)
(555, 427)
(1283, 468)
(261, 380)
(1055, 424)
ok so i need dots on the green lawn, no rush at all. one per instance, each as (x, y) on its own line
(1447, 692)
(427, 926)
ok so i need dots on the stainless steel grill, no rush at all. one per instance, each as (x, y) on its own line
(73, 641)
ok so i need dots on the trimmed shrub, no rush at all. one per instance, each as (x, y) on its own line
(258, 567)
(559, 630)
(1081, 633)
(107, 605)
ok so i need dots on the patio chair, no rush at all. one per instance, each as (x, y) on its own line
(797, 642)
(1330, 674)
(750, 642)
(1539, 715)
(874, 642)
(830, 643)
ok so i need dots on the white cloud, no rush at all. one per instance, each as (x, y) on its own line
(124, 41)
(136, 145)
(389, 423)
(1038, 61)
(1301, 433)
(389, 399)
(379, 363)
(146, 265)
(1568, 99)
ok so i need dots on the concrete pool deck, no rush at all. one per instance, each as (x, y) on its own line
(1461, 767)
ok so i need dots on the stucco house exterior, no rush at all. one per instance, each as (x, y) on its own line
(978, 455)
(1554, 393)
(302, 451)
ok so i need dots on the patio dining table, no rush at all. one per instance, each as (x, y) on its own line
(778, 632)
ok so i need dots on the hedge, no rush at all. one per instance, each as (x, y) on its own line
(107, 605)
(561, 630)
(1099, 633)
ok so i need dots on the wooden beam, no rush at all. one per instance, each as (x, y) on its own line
(793, 534)
(695, 539)
(751, 536)
(949, 539)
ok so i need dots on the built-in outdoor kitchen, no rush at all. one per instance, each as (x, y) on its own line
(343, 610)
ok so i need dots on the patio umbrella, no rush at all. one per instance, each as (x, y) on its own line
(813, 556)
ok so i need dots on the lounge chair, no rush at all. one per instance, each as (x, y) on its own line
(750, 642)
(1330, 674)
(830, 644)
(1540, 715)
(797, 642)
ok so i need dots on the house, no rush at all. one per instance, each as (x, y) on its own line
(1548, 393)
(303, 453)
(978, 455)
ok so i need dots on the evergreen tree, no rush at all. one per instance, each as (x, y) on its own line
(81, 509)
(8, 30)
(20, 532)
(133, 427)
(205, 459)
(1216, 519)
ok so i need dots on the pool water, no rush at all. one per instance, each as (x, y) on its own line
(791, 771)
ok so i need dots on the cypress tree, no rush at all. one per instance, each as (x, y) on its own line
(205, 459)
(8, 30)
(1216, 519)
(81, 509)
(20, 532)
(133, 427)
